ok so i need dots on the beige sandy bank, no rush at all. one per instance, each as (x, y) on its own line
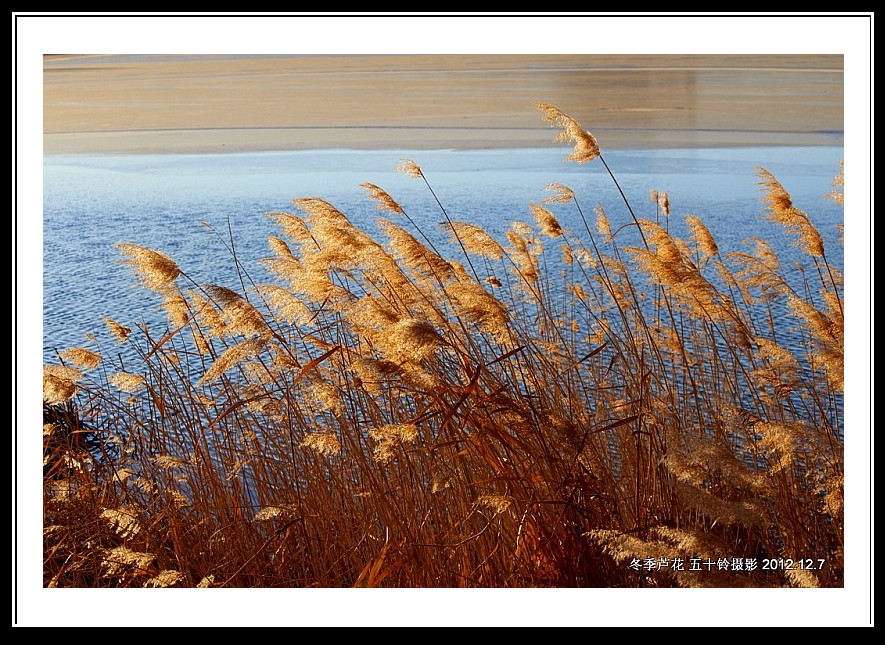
(193, 104)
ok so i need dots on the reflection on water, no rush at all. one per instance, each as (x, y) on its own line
(163, 201)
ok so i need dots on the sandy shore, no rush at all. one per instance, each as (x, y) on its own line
(195, 104)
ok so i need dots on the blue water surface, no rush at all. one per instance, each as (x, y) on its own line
(166, 202)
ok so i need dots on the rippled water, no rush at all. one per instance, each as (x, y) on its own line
(93, 202)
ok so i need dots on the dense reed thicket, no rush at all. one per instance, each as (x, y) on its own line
(554, 409)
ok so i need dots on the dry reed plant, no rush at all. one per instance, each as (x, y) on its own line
(555, 409)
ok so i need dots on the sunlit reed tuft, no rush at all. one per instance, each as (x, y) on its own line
(81, 357)
(156, 270)
(120, 332)
(586, 148)
(59, 383)
(126, 382)
(409, 167)
(384, 201)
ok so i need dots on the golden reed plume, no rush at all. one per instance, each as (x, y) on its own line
(156, 270)
(586, 148)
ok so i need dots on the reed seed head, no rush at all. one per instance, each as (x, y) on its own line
(547, 221)
(292, 226)
(239, 315)
(122, 560)
(410, 168)
(497, 504)
(123, 520)
(837, 195)
(233, 355)
(389, 437)
(586, 148)
(664, 202)
(603, 227)
(126, 382)
(166, 578)
(59, 383)
(120, 332)
(782, 211)
(324, 443)
(475, 239)
(81, 357)
(562, 194)
(385, 201)
(703, 238)
(176, 308)
(156, 270)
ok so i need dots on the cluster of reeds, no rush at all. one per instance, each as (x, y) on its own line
(554, 409)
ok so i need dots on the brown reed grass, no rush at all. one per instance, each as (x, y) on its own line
(582, 415)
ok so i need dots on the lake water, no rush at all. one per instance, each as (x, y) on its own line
(94, 202)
